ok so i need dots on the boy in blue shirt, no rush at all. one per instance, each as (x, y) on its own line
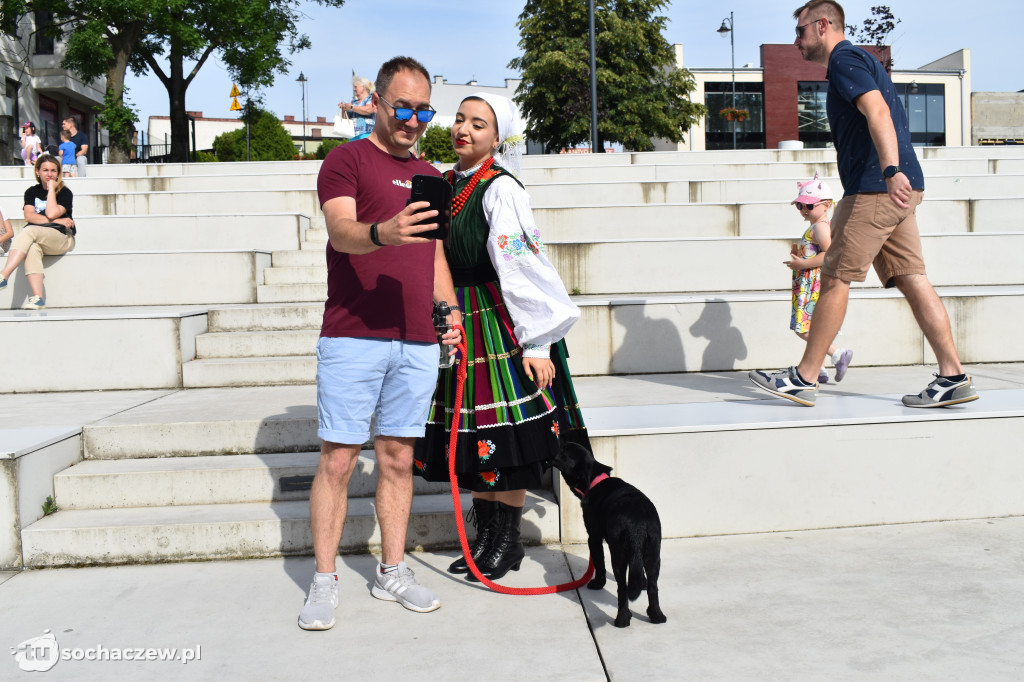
(67, 155)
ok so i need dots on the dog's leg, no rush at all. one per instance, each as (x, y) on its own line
(619, 568)
(596, 544)
(652, 567)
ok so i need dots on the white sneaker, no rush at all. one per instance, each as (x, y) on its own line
(34, 303)
(400, 585)
(318, 611)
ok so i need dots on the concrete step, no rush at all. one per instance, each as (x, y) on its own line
(219, 421)
(707, 332)
(652, 265)
(712, 188)
(82, 279)
(181, 183)
(300, 258)
(722, 220)
(240, 232)
(249, 371)
(731, 467)
(266, 317)
(704, 332)
(303, 201)
(220, 479)
(285, 293)
(257, 343)
(298, 274)
(241, 531)
(90, 349)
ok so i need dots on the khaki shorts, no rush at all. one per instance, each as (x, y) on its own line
(869, 229)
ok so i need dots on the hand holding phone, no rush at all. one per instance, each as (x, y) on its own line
(438, 193)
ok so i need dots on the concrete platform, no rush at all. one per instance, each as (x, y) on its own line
(912, 602)
(86, 279)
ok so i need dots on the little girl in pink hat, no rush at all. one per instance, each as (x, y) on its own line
(814, 200)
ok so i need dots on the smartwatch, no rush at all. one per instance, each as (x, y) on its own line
(890, 171)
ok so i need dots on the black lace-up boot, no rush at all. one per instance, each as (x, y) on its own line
(483, 514)
(506, 552)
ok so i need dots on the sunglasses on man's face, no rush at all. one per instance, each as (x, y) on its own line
(405, 113)
(800, 29)
(800, 206)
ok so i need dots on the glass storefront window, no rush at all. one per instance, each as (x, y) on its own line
(718, 131)
(812, 119)
(926, 112)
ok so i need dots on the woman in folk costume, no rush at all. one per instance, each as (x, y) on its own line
(518, 397)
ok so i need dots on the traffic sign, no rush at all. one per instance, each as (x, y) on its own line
(234, 91)
(235, 106)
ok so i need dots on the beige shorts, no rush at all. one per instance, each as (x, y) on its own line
(869, 229)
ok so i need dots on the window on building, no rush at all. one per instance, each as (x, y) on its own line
(44, 44)
(812, 119)
(926, 112)
(718, 131)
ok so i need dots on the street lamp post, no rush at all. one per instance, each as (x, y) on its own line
(728, 27)
(302, 79)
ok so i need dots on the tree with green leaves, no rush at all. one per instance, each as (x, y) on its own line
(252, 37)
(102, 36)
(640, 93)
(875, 30)
(436, 144)
(173, 39)
(268, 140)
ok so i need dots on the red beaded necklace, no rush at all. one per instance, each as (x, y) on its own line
(460, 200)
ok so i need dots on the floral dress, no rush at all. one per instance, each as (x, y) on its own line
(806, 285)
(514, 305)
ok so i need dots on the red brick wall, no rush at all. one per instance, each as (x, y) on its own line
(783, 68)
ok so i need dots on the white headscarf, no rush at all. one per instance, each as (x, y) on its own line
(511, 141)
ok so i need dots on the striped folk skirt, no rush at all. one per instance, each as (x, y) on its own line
(509, 428)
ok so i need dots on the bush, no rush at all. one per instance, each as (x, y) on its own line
(205, 157)
(326, 146)
(269, 141)
(436, 143)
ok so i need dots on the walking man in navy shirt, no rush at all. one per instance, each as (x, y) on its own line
(875, 223)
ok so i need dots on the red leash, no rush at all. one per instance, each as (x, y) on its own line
(456, 418)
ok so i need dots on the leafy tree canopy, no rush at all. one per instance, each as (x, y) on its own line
(173, 39)
(640, 93)
(268, 140)
(875, 30)
(436, 144)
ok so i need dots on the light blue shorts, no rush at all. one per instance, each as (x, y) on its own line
(360, 378)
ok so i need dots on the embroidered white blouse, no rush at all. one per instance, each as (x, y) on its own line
(534, 294)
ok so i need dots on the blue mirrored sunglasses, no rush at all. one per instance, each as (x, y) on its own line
(404, 113)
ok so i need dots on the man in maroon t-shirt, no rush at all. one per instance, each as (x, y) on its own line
(378, 353)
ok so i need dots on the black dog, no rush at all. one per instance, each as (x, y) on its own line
(615, 511)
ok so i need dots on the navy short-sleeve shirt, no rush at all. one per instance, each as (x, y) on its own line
(852, 72)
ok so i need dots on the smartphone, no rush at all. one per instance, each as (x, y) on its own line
(438, 192)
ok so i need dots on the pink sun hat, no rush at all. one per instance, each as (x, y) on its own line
(813, 191)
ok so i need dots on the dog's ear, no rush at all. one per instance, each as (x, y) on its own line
(599, 468)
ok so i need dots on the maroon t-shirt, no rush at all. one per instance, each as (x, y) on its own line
(388, 293)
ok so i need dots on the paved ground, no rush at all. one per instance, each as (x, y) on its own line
(940, 601)
(913, 602)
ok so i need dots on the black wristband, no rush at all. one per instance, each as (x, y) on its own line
(455, 307)
(373, 235)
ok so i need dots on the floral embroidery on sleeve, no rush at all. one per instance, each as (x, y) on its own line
(514, 247)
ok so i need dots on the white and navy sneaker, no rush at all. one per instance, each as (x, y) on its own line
(943, 392)
(785, 383)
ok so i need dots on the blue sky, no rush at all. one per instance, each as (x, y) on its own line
(463, 41)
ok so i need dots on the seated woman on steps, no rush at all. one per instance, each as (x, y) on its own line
(49, 228)
(518, 398)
